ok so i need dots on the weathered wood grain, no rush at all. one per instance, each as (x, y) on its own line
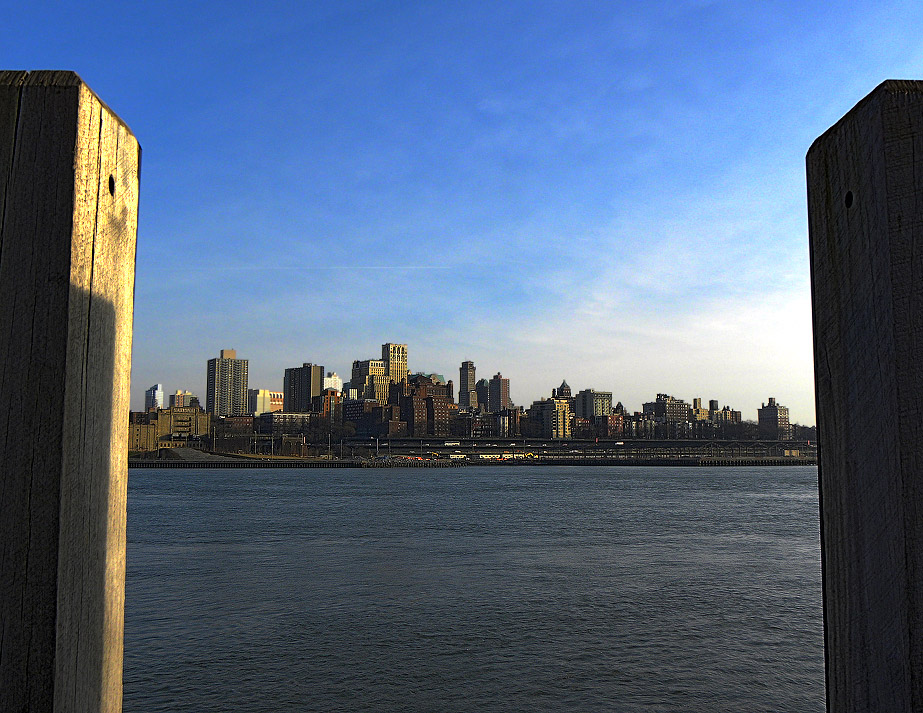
(865, 205)
(67, 243)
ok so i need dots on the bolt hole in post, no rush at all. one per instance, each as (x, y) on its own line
(848, 199)
(111, 185)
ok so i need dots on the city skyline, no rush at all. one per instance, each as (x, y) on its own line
(608, 193)
(300, 393)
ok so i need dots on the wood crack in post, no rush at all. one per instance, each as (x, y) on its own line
(12, 159)
(868, 380)
(89, 319)
(65, 336)
(6, 199)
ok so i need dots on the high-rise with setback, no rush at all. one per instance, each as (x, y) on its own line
(371, 377)
(395, 358)
(466, 381)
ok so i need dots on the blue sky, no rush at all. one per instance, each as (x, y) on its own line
(608, 193)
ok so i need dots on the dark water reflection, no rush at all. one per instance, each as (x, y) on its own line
(498, 589)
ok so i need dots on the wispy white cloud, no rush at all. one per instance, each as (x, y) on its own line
(611, 196)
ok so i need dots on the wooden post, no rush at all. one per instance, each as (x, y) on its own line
(68, 218)
(865, 205)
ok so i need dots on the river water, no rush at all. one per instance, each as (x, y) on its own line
(524, 588)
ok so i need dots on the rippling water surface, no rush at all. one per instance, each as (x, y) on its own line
(474, 589)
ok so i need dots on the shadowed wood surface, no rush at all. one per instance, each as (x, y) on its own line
(865, 204)
(68, 216)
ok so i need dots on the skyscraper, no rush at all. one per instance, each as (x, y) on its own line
(226, 385)
(300, 385)
(466, 381)
(395, 358)
(498, 394)
(153, 397)
(482, 389)
(371, 377)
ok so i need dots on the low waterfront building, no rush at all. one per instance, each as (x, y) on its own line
(280, 423)
(263, 401)
(182, 422)
(329, 405)
(142, 437)
(508, 422)
(611, 426)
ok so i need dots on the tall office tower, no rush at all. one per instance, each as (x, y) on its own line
(300, 385)
(226, 385)
(153, 397)
(332, 381)
(498, 394)
(482, 388)
(395, 358)
(773, 422)
(466, 383)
